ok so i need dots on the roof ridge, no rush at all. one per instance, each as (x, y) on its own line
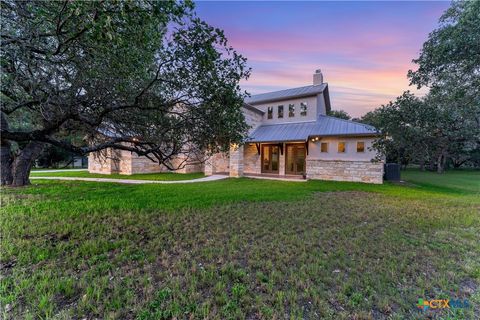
(345, 120)
(276, 124)
(258, 94)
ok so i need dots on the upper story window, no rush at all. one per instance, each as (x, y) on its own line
(280, 112)
(270, 113)
(360, 146)
(341, 147)
(324, 147)
(303, 109)
(291, 110)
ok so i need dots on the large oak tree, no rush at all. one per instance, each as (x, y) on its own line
(144, 76)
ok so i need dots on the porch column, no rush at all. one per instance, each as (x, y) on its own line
(281, 159)
(236, 161)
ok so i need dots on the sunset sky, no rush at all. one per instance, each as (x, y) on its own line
(363, 48)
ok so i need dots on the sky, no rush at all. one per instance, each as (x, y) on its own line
(364, 49)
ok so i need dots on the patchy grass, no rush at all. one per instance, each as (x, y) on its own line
(238, 248)
(164, 176)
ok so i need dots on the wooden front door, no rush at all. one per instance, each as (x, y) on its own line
(295, 159)
(270, 158)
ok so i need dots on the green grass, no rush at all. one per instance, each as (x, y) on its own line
(467, 181)
(240, 248)
(164, 176)
(49, 169)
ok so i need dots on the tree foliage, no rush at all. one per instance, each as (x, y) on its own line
(451, 54)
(341, 114)
(142, 76)
(426, 131)
(443, 126)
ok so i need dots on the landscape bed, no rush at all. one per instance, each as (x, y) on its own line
(241, 248)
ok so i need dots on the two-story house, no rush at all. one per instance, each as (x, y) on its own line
(290, 135)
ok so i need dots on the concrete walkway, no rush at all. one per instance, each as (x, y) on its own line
(59, 170)
(214, 177)
(277, 178)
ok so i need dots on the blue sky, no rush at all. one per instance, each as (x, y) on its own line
(363, 48)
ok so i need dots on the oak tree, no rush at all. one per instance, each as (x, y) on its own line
(143, 76)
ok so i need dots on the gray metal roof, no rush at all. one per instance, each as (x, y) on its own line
(286, 94)
(301, 131)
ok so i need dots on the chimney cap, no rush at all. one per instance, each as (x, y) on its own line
(318, 71)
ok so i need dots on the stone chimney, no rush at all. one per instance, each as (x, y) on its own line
(317, 77)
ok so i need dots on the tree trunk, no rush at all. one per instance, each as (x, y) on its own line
(23, 163)
(442, 159)
(439, 163)
(6, 163)
(422, 165)
(5, 155)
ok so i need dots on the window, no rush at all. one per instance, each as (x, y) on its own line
(341, 147)
(303, 109)
(324, 147)
(360, 146)
(270, 113)
(280, 112)
(291, 110)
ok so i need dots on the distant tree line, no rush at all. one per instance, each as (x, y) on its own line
(442, 128)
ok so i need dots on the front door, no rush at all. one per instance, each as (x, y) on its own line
(295, 159)
(270, 158)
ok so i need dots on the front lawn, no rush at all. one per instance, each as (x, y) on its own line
(467, 181)
(240, 248)
(163, 176)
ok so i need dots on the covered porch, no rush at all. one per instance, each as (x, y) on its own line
(280, 159)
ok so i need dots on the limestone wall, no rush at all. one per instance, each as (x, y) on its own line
(104, 162)
(236, 161)
(252, 162)
(110, 161)
(142, 165)
(217, 163)
(357, 171)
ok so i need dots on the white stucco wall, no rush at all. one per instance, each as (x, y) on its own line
(311, 110)
(252, 118)
(350, 153)
(321, 107)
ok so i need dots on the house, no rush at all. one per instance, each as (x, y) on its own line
(290, 135)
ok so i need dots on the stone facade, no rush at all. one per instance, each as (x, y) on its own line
(103, 162)
(236, 161)
(142, 165)
(251, 159)
(217, 163)
(110, 161)
(242, 158)
(356, 171)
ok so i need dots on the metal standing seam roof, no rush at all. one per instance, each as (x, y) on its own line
(301, 131)
(286, 94)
